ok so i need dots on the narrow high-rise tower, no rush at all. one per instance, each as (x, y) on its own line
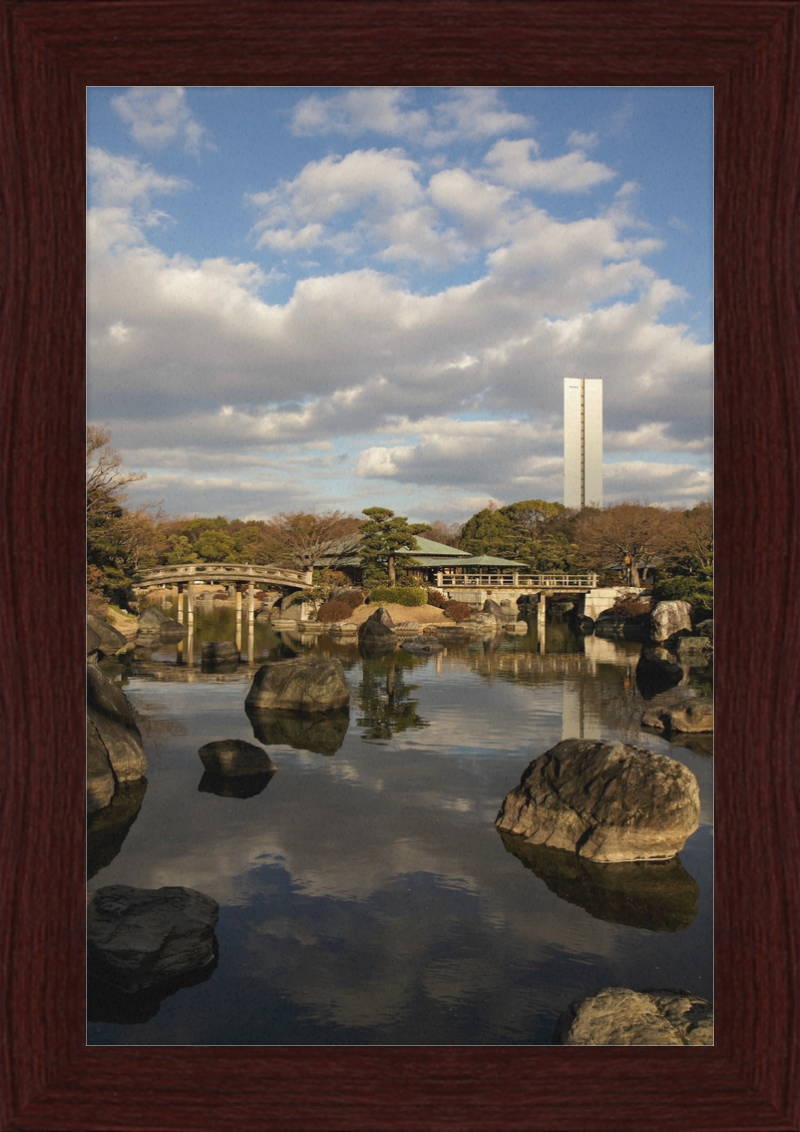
(583, 442)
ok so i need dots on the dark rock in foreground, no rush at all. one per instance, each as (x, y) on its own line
(137, 937)
(234, 757)
(617, 1016)
(690, 715)
(307, 684)
(604, 801)
(656, 896)
(320, 732)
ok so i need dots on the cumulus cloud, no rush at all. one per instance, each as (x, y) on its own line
(159, 116)
(467, 113)
(511, 163)
(387, 382)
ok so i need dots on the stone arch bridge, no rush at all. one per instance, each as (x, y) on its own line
(226, 573)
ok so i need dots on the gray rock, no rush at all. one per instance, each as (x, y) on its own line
(604, 801)
(155, 623)
(696, 714)
(423, 645)
(492, 607)
(234, 757)
(376, 635)
(668, 618)
(687, 648)
(100, 783)
(617, 1016)
(308, 684)
(705, 629)
(143, 936)
(107, 708)
(110, 640)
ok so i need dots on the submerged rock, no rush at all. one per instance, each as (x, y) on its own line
(308, 684)
(618, 1016)
(690, 715)
(234, 757)
(604, 801)
(235, 786)
(137, 937)
(219, 654)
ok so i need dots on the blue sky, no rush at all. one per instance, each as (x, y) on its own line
(336, 298)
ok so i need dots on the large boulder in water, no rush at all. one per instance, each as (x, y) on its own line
(376, 635)
(307, 684)
(112, 727)
(102, 637)
(235, 757)
(100, 781)
(154, 623)
(141, 936)
(106, 831)
(691, 715)
(668, 618)
(617, 1016)
(606, 801)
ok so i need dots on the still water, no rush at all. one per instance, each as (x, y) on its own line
(365, 895)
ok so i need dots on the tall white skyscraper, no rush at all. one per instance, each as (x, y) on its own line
(583, 442)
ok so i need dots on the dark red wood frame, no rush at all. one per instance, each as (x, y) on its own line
(53, 49)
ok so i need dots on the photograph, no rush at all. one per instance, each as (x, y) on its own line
(400, 566)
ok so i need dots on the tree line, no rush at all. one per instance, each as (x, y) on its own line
(621, 543)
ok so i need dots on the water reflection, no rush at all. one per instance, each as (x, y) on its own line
(109, 827)
(108, 1002)
(320, 732)
(384, 697)
(366, 898)
(239, 786)
(657, 895)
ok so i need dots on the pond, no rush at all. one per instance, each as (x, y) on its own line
(365, 896)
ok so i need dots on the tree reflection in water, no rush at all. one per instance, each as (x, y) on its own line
(384, 697)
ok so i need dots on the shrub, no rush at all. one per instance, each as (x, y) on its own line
(629, 607)
(437, 599)
(350, 597)
(398, 595)
(457, 610)
(698, 590)
(334, 611)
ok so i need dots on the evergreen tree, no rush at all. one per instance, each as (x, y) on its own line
(381, 538)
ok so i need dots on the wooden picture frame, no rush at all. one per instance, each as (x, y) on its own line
(53, 49)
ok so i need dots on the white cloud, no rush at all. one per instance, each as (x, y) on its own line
(579, 140)
(511, 163)
(159, 116)
(468, 112)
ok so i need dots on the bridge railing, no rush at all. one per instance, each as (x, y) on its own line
(221, 572)
(518, 581)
